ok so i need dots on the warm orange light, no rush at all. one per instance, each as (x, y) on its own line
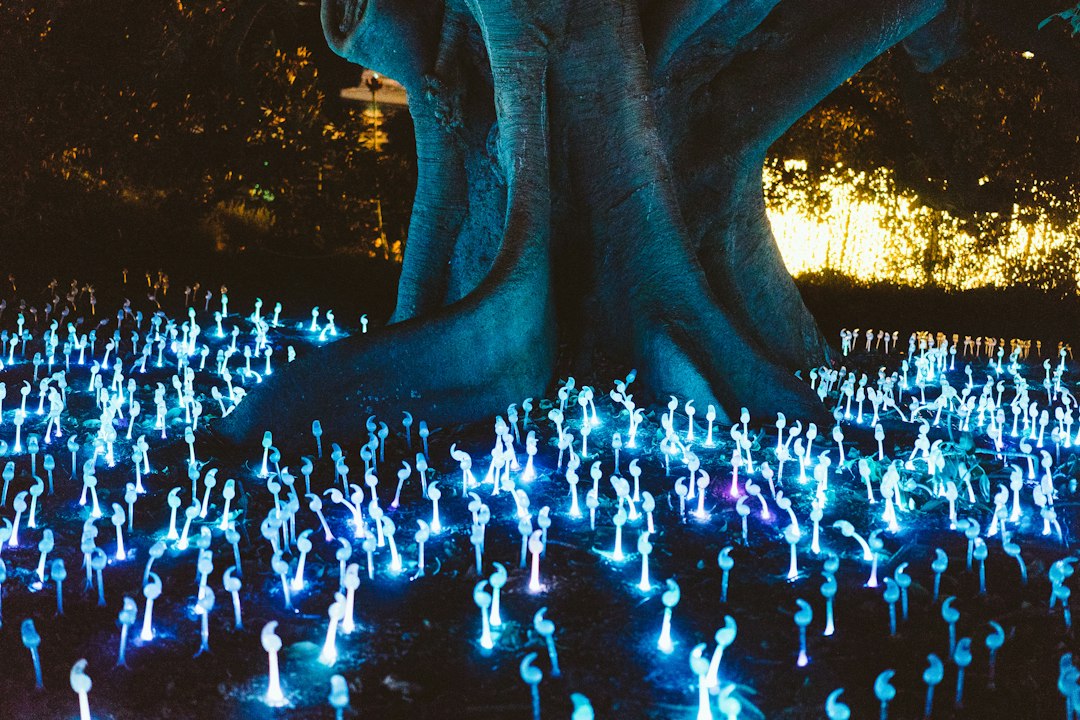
(868, 231)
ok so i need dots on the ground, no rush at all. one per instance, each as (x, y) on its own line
(416, 651)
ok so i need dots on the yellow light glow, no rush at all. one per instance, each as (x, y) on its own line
(858, 225)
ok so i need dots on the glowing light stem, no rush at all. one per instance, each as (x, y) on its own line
(664, 642)
(535, 547)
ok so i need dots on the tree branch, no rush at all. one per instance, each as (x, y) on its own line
(802, 53)
(941, 39)
(675, 30)
(398, 39)
(667, 25)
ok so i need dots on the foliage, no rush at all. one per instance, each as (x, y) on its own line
(976, 137)
(186, 107)
(977, 155)
(867, 227)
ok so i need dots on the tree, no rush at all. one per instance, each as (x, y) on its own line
(590, 179)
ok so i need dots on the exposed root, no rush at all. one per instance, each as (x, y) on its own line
(463, 363)
(702, 356)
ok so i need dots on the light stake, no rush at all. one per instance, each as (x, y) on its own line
(724, 637)
(1062, 592)
(884, 691)
(962, 658)
(582, 707)
(951, 616)
(932, 676)
(421, 536)
(36, 490)
(1013, 550)
(368, 546)
(702, 483)
(727, 703)
(817, 512)
(128, 614)
(644, 549)
(618, 520)
(232, 585)
(31, 640)
(981, 551)
(483, 601)
(828, 591)
(267, 442)
(498, 579)
(8, 476)
(174, 503)
(98, 561)
(791, 536)
(743, 511)
(190, 514)
(834, 709)
(670, 598)
(681, 491)
(525, 530)
(876, 545)
(81, 684)
(803, 617)
(155, 552)
(303, 545)
(546, 629)
(939, 566)
(45, 546)
(118, 520)
(281, 569)
(352, 582)
(131, 494)
(151, 591)
(700, 666)
(339, 696)
(58, 573)
(20, 507)
(648, 504)
(532, 677)
(994, 641)
(272, 644)
(892, 596)
(329, 653)
(203, 607)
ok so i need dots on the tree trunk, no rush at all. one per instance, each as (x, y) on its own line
(578, 184)
(743, 262)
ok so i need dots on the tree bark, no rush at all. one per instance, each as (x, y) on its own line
(743, 263)
(583, 181)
